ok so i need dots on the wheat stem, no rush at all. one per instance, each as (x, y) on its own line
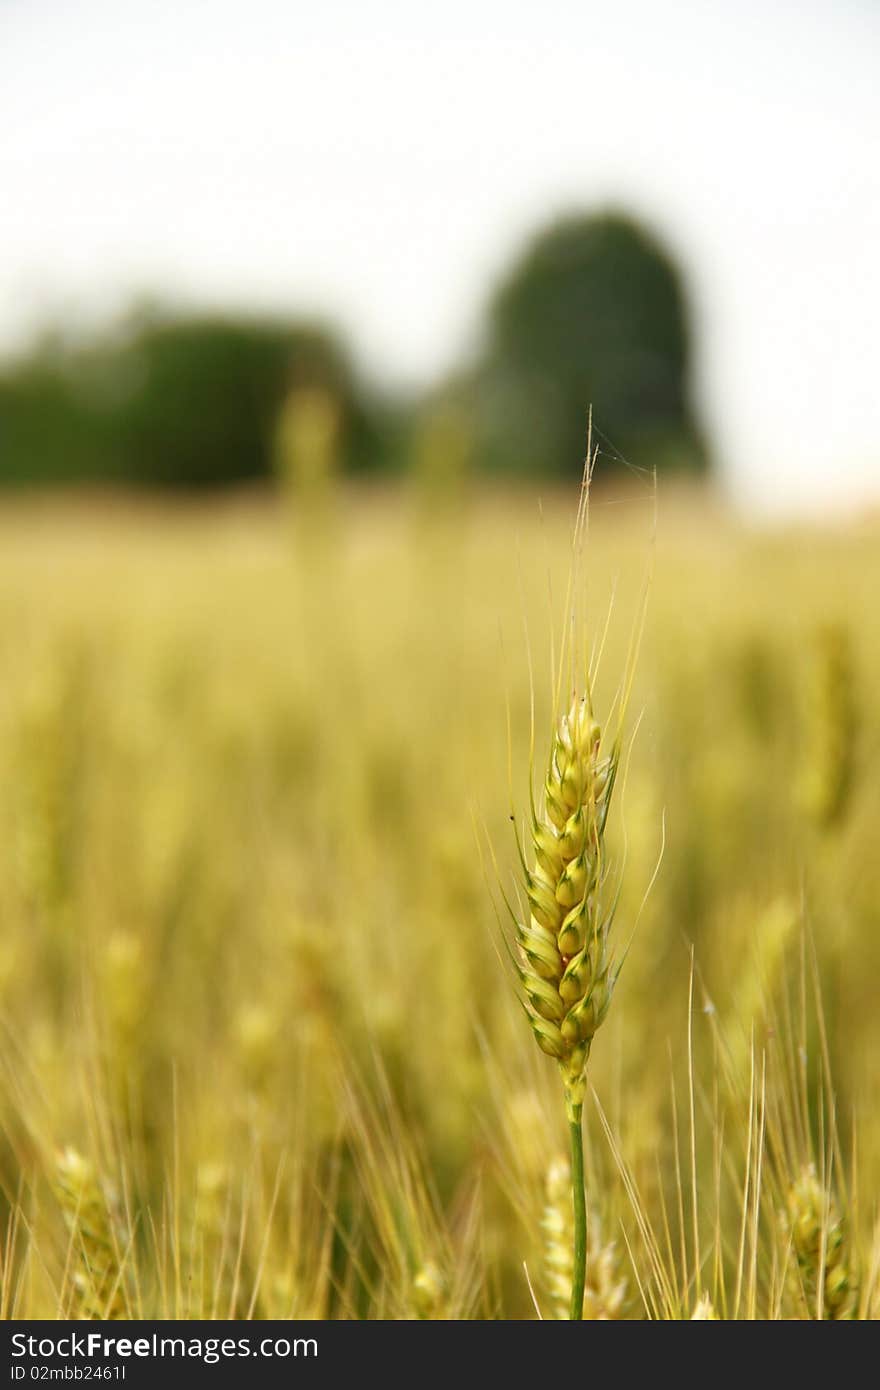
(579, 1269)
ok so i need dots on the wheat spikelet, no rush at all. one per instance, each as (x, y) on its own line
(567, 973)
(94, 1235)
(819, 1238)
(605, 1288)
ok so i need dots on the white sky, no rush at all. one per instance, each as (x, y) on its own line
(382, 161)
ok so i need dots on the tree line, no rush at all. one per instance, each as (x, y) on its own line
(592, 314)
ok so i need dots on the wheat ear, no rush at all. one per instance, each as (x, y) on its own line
(605, 1286)
(819, 1238)
(566, 967)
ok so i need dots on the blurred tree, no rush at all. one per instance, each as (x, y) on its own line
(163, 401)
(209, 390)
(592, 315)
(50, 431)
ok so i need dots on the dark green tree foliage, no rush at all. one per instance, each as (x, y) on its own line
(593, 314)
(171, 402)
(207, 395)
(50, 431)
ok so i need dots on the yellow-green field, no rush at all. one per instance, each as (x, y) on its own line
(261, 1056)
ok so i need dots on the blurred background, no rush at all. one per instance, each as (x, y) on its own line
(492, 212)
(305, 308)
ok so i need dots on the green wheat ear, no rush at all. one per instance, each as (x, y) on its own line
(566, 966)
(567, 974)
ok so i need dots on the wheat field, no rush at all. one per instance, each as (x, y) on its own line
(261, 1056)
